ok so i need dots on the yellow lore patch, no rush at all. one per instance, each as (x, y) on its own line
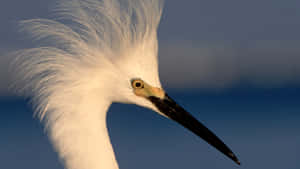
(142, 89)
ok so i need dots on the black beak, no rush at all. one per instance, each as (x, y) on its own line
(171, 109)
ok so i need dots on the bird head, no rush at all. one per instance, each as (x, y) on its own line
(156, 98)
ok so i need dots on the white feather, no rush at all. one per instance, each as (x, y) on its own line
(85, 61)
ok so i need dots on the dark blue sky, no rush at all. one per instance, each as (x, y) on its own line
(231, 21)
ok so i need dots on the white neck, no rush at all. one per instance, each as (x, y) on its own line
(81, 137)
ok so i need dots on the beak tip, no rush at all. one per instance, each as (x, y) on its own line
(234, 158)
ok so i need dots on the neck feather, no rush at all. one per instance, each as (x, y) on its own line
(81, 137)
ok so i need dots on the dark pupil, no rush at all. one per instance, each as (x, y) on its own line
(138, 84)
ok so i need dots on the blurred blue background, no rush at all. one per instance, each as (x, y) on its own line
(260, 125)
(233, 64)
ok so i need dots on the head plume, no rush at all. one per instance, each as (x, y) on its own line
(85, 36)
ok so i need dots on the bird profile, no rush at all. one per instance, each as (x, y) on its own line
(94, 53)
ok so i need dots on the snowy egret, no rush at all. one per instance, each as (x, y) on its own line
(95, 53)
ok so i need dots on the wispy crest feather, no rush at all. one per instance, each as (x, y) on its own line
(72, 44)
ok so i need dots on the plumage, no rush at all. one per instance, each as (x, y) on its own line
(87, 57)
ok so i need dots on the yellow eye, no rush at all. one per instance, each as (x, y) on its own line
(137, 84)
